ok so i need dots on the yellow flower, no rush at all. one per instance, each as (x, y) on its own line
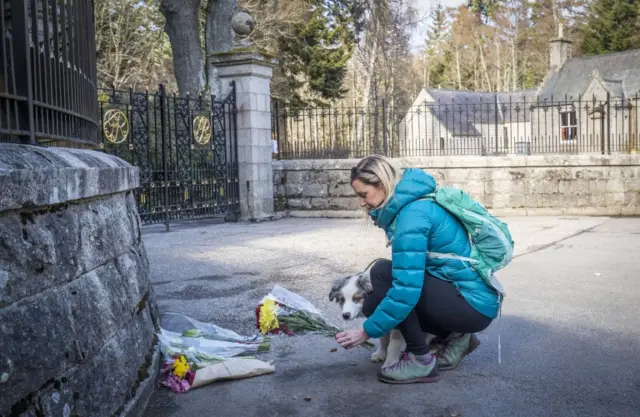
(268, 318)
(180, 367)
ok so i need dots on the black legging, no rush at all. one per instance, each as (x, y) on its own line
(441, 309)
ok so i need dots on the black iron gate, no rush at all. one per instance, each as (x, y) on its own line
(185, 148)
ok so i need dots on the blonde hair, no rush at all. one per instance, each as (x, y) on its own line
(378, 171)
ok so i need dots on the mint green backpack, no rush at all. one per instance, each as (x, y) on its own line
(491, 242)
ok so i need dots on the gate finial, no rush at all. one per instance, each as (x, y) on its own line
(242, 24)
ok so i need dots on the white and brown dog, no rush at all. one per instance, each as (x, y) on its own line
(350, 292)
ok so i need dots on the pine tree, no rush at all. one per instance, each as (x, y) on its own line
(612, 26)
(483, 9)
(314, 62)
(436, 58)
(438, 28)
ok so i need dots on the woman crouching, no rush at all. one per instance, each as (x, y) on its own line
(413, 292)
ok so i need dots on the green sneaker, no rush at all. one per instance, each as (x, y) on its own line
(409, 370)
(456, 347)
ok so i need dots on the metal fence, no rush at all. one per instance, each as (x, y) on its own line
(185, 147)
(500, 126)
(48, 73)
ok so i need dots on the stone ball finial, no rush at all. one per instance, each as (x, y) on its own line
(242, 24)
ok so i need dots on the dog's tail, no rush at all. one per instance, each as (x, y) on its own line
(371, 264)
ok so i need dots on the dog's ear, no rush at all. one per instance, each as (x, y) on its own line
(364, 282)
(338, 283)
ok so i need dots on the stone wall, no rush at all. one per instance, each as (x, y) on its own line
(77, 316)
(514, 185)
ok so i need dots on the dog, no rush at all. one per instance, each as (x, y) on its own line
(349, 293)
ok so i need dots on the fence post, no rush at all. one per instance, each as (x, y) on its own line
(22, 65)
(496, 120)
(165, 168)
(602, 124)
(608, 123)
(277, 125)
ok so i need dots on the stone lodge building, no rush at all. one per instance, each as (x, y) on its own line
(586, 104)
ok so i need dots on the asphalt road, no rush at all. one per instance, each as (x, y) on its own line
(570, 329)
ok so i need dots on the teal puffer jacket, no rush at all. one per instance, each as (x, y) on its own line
(415, 227)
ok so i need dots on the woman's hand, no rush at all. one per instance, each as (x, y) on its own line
(352, 338)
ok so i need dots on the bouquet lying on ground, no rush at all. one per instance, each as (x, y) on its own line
(283, 311)
(204, 343)
(197, 353)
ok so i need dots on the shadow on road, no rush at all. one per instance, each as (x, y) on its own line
(546, 371)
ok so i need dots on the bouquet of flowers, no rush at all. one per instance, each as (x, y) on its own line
(189, 327)
(178, 374)
(205, 343)
(198, 353)
(283, 311)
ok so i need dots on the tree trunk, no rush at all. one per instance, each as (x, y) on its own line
(458, 71)
(499, 67)
(425, 81)
(428, 77)
(367, 90)
(476, 81)
(514, 65)
(218, 36)
(485, 70)
(516, 18)
(388, 133)
(183, 28)
(355, 89)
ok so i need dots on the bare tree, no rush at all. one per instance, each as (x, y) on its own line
(132, 50)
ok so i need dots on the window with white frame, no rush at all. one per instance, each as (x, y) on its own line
(568, 125)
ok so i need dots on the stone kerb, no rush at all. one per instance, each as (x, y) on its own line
(252, 74)
(77, 314)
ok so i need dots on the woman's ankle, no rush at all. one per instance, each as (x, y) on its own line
(421, 351)
(425, 358)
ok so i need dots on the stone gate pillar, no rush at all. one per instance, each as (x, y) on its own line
(252, 73)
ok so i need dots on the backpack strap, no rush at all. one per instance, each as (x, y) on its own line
(500, 334)
(438, 255)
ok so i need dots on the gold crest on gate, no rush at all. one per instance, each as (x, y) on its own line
(115, 126)
(201, 130)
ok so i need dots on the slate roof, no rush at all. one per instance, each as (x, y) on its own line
(619, 71)
(515, 105)
(615, 87)
(461, 111)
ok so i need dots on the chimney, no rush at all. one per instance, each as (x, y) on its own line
(560, 50)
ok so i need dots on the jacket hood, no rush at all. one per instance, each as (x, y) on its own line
(414, 184)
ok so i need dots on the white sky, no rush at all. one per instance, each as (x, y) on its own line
(424, 6)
